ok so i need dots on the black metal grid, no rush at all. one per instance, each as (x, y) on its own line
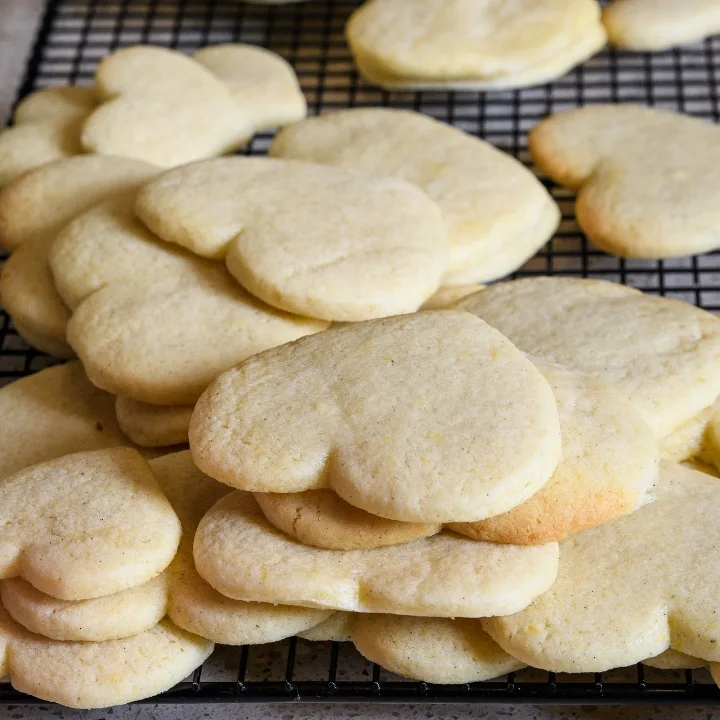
(76, 34)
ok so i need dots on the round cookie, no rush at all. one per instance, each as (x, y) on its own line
(59, 191)
(163, 342)
(496, 212)
(433, 650)
(432, 417)
(46, 127)
(310, 239)
(660, 24)
(90, 675)
(261, 81)
(162, 107)
(86, 525)
(54, 412)
(437, 42)
(244, 557)
(108, 244)
(321, 519)
(189, 602)
(630, 589)
(335, 629)
(153, 425)
(646, 178)
(659, 353)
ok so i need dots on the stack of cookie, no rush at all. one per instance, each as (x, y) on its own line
(416, 484)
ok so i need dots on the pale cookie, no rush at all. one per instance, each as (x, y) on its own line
(660, 24)
(497, 213)
(432, 417)
(661, 354)
(335, 629)
(52, 413)
(674, 660)
(86, 525)
(689, 440)
(108, 244)
(543, 71)
(609, 466)
(163, 107)
(262, 82)
(187, 599)
(434, 650)
(646, 178)
(91, 675)
(29, 297)
(110, 617)
(47, 127)
(610, 463)
(244, 557)
(630, 589)
(153, 425)
(434, 42)
(322, 519)
(310, 239)
(59, 191)
(447, 296)
(163, 343)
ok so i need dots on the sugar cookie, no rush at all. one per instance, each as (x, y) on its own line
(153, 425)
(242, 556)
(543, 71)
(646, 178)
(437, 42)
(91, 675)
(496, 212)
(162, 107)
(108, 244)
(630, 589)
(335, 629)
(86, 525)
(688, 440)
(29, 297)
(310, 239)
(164, 342)
(47, 126)
(660, 24)
(261, 81)
(674, 660)
(59, 191)
(662, 354)
(431, 417)
(190, 603)
(434, 650)
(322, 519)
(54, 412)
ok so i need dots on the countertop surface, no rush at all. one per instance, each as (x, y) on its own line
(18, 23)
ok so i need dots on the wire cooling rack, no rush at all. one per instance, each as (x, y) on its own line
(75, 35)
